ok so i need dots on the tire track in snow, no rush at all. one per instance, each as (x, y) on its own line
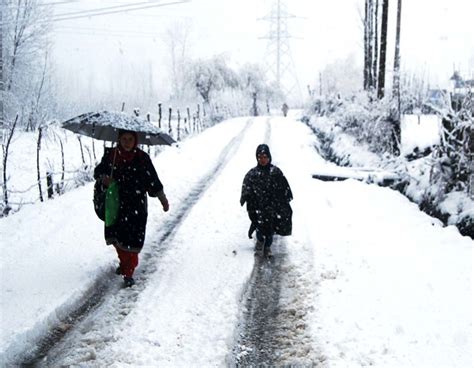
(106, 303)
(256, 343)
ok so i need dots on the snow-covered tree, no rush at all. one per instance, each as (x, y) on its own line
(25, 63)
(341, 77)
(211, 75)
(254, 86)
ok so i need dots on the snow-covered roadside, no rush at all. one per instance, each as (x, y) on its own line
(391, 286)
(53, 251)
(456, 208)
(21, 165)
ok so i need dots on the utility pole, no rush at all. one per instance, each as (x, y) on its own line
(383, 51)
(280, 64)
(2, 86)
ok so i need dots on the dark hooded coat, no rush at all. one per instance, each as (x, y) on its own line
(267, 194)
(136, 177)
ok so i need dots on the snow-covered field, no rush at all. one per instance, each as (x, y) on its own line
(369, 279)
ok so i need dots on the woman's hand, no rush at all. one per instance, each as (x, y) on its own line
(107, 180)
(165, 204)
(164, 201)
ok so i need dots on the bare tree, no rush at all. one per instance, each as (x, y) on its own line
(176, 38)
(25, 29)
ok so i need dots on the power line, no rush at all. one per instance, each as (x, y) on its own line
(105, 32)
(58, 3)
(100, 12)
(78, 12)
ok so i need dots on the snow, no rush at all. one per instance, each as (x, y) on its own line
(419, 131)
(369, 279)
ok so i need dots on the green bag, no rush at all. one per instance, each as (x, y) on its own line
(112, 204)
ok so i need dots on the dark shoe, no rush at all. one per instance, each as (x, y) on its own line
(128, 281)
(118, 271)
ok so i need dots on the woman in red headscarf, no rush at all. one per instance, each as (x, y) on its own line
(132, 170)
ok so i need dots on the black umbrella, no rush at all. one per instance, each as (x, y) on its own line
(105, 125)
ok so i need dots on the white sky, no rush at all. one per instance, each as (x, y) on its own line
(435, 36)
(369, 286)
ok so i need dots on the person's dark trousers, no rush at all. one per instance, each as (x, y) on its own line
(267, 240)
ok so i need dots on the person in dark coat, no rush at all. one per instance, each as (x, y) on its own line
(267, 194)
(136, 177)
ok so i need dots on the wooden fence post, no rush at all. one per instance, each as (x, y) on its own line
(63, 167)
(189, 119)
(93, 150)
(179, 125)
(38, 148)
(198, 116)
(159, 115)
(82, 150)
(169, 121)
(49, 184)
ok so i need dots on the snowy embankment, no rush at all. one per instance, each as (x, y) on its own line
(368, 278)
(392, 287)
(421, 132)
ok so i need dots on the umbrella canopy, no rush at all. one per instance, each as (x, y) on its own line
(105, 125)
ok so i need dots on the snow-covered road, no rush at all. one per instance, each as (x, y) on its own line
(366, 277)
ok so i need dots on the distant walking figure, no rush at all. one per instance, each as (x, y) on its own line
(267, 194)
(284, 109)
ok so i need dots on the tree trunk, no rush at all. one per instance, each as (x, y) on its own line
(254, 104)
(366, 50)
(383, 51)
(370, 44)
(375, 37)
(2, 86)
(5, 160)
(396, 62)
(396, 84)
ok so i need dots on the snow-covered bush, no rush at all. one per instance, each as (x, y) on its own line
(361, 116)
